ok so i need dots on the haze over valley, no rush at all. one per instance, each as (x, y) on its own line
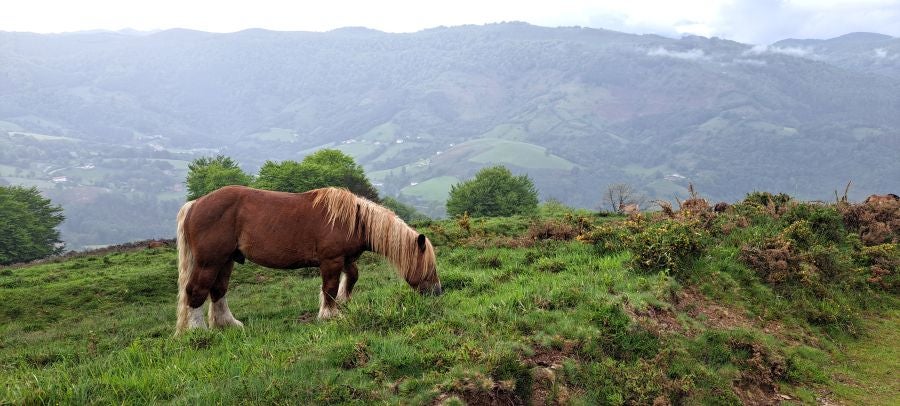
(105, 123)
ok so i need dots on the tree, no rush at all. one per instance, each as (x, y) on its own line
(619, 196)
(327, 167)
(28, 224)
(493, 192)
(208, 174)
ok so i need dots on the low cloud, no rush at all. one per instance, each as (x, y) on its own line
(691, 54)
(881, 53)
(751, 62)
(798, 52)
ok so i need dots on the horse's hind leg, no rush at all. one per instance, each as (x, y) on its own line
(331, 272)
(348, 279)
(219, 313)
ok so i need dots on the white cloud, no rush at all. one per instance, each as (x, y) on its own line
(752, 62)
(880, 53)
(799, 52)
(691, 54)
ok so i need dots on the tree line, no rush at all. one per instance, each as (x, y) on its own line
(28, 221)
(494, 191)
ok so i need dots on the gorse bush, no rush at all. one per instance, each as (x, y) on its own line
(667, 245)
(825, 222)
(766, 199)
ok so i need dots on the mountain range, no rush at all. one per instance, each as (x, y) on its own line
(575, 108)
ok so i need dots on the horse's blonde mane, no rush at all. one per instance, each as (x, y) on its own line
(386, 233)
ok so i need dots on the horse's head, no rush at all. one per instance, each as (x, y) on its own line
(424, 277)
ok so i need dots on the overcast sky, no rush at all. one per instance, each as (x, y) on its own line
(750, 21)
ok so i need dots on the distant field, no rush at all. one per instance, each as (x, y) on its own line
(434, 189)
(497, 151)
(43, 137)
(276, 135)
(384, 133)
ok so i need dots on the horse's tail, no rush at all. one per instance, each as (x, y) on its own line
(185, 269)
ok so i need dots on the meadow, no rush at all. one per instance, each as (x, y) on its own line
(565, 307)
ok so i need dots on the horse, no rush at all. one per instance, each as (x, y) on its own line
(327, 228)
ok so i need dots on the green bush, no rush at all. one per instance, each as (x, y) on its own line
(28, 224)
(667, 246)
(493, 192)
(825, 222)
(766, 199)
(208, 174)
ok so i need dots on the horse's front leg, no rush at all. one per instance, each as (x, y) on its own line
(331, 273)
(348, 279)
(219, 313)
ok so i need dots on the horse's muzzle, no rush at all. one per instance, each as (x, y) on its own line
(432, 291)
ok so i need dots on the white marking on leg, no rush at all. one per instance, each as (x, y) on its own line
(343, 296)
(220, 315)
(326, 312)
(195, 319)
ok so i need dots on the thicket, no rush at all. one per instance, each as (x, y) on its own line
(493, 191)
(28, 224)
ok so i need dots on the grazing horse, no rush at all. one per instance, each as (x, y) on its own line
(328, 228)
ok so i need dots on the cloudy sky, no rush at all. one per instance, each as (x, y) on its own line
(750, 21)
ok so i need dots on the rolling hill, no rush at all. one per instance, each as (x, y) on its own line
(575, 108)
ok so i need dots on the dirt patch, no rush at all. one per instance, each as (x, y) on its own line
(712, 314)
(307, 317)
(757, 383)
(546, 363)
(658, 321)
(473, 391)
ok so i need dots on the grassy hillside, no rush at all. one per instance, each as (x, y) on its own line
(567, 307)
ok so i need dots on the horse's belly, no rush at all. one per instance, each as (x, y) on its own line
(283, 262)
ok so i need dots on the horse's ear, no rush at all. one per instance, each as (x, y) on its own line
(421, 241)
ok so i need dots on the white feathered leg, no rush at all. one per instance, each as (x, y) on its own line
(326, 312)
(220, 315)
(195, 318)
(342, 296)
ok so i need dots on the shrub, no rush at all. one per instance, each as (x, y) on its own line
(607, 238)
(208, 174)
(551, 230)
(766, 199)
(667, 246)
(493, 192)
(824, 221)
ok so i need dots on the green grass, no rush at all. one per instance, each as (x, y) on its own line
(98, 330)
(866, 371)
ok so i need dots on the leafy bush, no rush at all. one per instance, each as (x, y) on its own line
(667, 246)
(608, 238)
(28, 224)
(208, 174)
(825, 222)
(326, 167)
(493, 192)
(766, 199)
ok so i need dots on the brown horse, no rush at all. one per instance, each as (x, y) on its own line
(328, 228)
